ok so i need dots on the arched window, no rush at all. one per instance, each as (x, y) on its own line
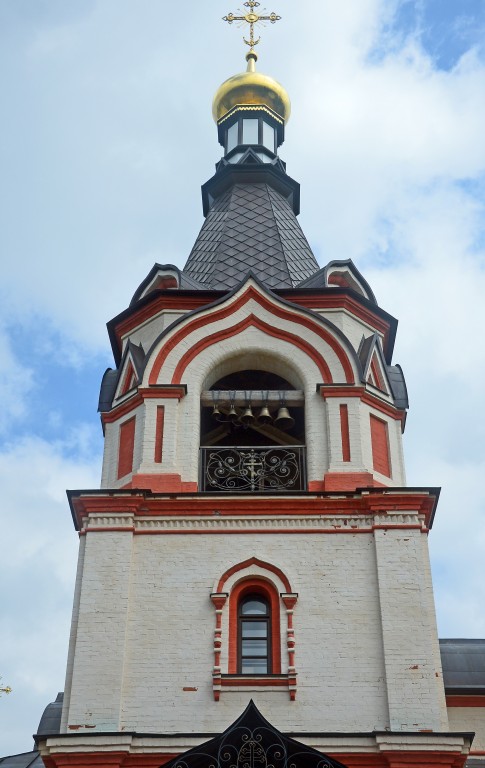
(254, 628)
(254, 635)
(248, 599)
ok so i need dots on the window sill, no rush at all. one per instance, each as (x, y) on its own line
(254, 682)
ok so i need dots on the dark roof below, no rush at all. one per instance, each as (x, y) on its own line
(50, 722)
(24, 760)
(250, 227)
(463, 666)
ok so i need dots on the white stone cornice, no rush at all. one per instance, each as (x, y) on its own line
(359, 743)
(244, 523)
(118, 520)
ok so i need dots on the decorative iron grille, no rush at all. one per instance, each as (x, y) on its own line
(253, 470)
(252, 742)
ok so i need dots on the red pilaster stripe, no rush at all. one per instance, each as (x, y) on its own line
(159, 434)
(380, 446)
(344, 428)
(126, 448)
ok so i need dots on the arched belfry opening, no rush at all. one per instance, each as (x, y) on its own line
(252, 434)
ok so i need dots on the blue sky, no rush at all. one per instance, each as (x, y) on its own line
(108, 138)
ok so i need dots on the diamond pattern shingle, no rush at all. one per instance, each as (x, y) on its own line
(251, 227)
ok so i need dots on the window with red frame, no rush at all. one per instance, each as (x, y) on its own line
(254, 635)
(252, 603)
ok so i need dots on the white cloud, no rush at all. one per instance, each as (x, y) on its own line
(37, 568)
(457, 544)
(16, 381)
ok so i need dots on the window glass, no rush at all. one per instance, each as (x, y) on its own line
(254, 606)
(250, 130)
(254, 667)
(235, 158)
(254, 629)
(254, 648)
(254, 635)
(268, 136)
(232, 137)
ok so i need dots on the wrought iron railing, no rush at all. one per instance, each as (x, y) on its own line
(253, 469)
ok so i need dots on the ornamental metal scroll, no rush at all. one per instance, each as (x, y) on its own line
(252, 742)
(253, 469)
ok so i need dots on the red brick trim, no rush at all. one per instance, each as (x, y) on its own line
(220, 314)
(389, 759)
(126, 447)
(377, 373)
(379, 433)
(219, 601)
(366, 397)
(424, 759)
(162, 483)
(309, 301)
(138, 397)
(129, 379)
(267, 589)
(465, 701)
(316, 486)
(297, 531)
(348, 481)
(355, 504)
(247, 564)
(107, 759)
(270, 330)
(344, 430)
(156, 306)
(166, 392)
(158, 455)
(254, 681)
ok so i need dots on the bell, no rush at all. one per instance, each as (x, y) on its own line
(248, 416)
(264, 416)
(284, 420)
(232, 415)
(216, 414)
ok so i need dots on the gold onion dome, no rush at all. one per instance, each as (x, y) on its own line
(251, 88)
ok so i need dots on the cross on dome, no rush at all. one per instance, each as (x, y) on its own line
(251, 18)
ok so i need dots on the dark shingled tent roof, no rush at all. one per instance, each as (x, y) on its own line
(251, 226)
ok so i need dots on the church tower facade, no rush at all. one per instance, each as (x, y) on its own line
(253, 537)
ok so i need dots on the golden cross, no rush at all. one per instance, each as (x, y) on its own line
(252, 18)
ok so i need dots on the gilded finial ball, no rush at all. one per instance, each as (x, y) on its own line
(251, 88)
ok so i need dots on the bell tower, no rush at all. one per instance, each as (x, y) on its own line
(253, 537)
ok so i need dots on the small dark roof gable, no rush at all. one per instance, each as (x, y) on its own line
(252, 741)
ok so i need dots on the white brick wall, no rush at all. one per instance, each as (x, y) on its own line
(100, 651)
(146, 627)
(414, 683)
(146, 333)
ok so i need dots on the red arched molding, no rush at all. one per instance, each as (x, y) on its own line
(270, 330)
(282, 312)
(246, 564)
(265, 589)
